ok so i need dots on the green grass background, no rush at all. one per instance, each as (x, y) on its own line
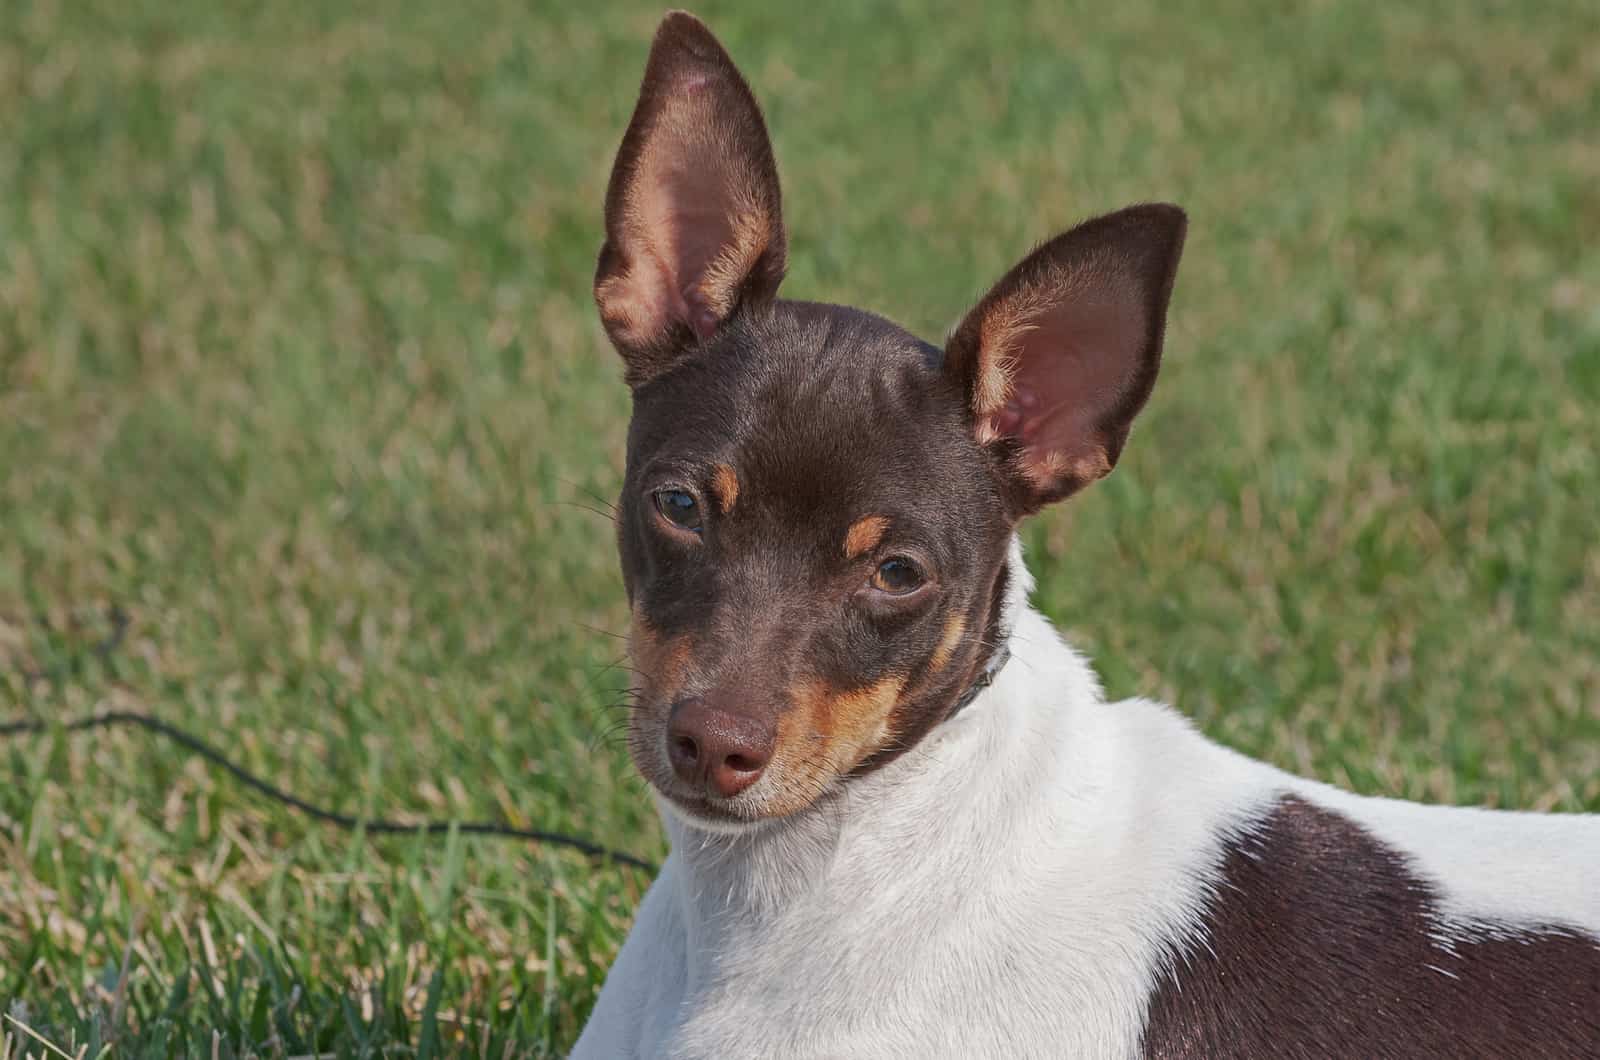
(298, 366)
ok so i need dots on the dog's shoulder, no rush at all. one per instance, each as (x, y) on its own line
(645, 984)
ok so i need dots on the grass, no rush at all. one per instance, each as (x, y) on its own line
(298, 368)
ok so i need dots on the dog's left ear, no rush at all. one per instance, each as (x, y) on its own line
(1061, 354)
(694, 224)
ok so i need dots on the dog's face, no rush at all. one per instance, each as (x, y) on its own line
(818, 505)
(810, 538)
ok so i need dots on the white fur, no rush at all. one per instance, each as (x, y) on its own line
(1011, 887)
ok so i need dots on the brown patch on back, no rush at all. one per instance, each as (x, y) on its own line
(864, 535)
(725, 484)
(1320, 942)
(953, 631)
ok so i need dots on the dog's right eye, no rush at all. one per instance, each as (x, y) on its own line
(679, 508)
(897, 576)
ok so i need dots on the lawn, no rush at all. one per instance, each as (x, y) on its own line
(300, 373)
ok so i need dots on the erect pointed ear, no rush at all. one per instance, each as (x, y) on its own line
(694, 226)
(1060, 355)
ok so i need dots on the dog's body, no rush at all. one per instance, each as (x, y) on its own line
(904, 821)
(1058, 876)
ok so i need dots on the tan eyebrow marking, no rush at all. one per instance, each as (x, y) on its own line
(953, 630)
(865, 533)
(725, 484)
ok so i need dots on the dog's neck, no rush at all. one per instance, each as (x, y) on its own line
(947, 785)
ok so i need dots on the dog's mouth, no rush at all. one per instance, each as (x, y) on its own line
(711, 813)
(784, 788)
(708, 814)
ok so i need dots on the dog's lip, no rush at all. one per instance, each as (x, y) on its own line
(702, 807)
(709, 811)
(720, 815)
(706, 815)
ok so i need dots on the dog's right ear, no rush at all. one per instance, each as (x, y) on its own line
(694, 226)
(1061, 354)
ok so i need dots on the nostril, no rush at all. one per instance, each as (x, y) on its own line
(717, 750)
(743, 764)
(685, 749)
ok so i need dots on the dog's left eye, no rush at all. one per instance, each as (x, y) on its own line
(678, 508)
(897, 576)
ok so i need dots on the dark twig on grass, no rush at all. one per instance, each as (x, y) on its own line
(379, 826)
(346, 821)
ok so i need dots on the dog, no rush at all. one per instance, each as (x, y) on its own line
(905, 821)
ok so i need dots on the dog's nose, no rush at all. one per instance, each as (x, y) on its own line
(717, 750)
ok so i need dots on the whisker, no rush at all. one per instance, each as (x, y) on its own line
(609, 517)
(586, 491)
(620, 663)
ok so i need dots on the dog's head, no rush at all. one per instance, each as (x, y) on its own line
(818, 505)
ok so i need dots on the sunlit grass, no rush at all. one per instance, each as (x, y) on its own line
(298, 368)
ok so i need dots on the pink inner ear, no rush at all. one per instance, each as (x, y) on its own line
(702, 227)
(694, 226)
(698, 231)
(1069, 367)
(684, 216)
(1060, 355)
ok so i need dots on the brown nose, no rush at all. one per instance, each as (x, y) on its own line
(717, 750)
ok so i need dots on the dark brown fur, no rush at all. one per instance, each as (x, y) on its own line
(819, 441)
(1321, 943)
(791, 397)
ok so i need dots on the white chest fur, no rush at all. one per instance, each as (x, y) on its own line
(1014, 886)
(1005, 888)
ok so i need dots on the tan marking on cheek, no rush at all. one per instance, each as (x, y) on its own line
(662, 665)
(953, 631)
(725, 484)
(861, 721)
(865, 533)
(797, 732)
(828, 731)
(824, 734)
(661, 661)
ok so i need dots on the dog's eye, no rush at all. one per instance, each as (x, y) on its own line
(897, 576)
(678, 508)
